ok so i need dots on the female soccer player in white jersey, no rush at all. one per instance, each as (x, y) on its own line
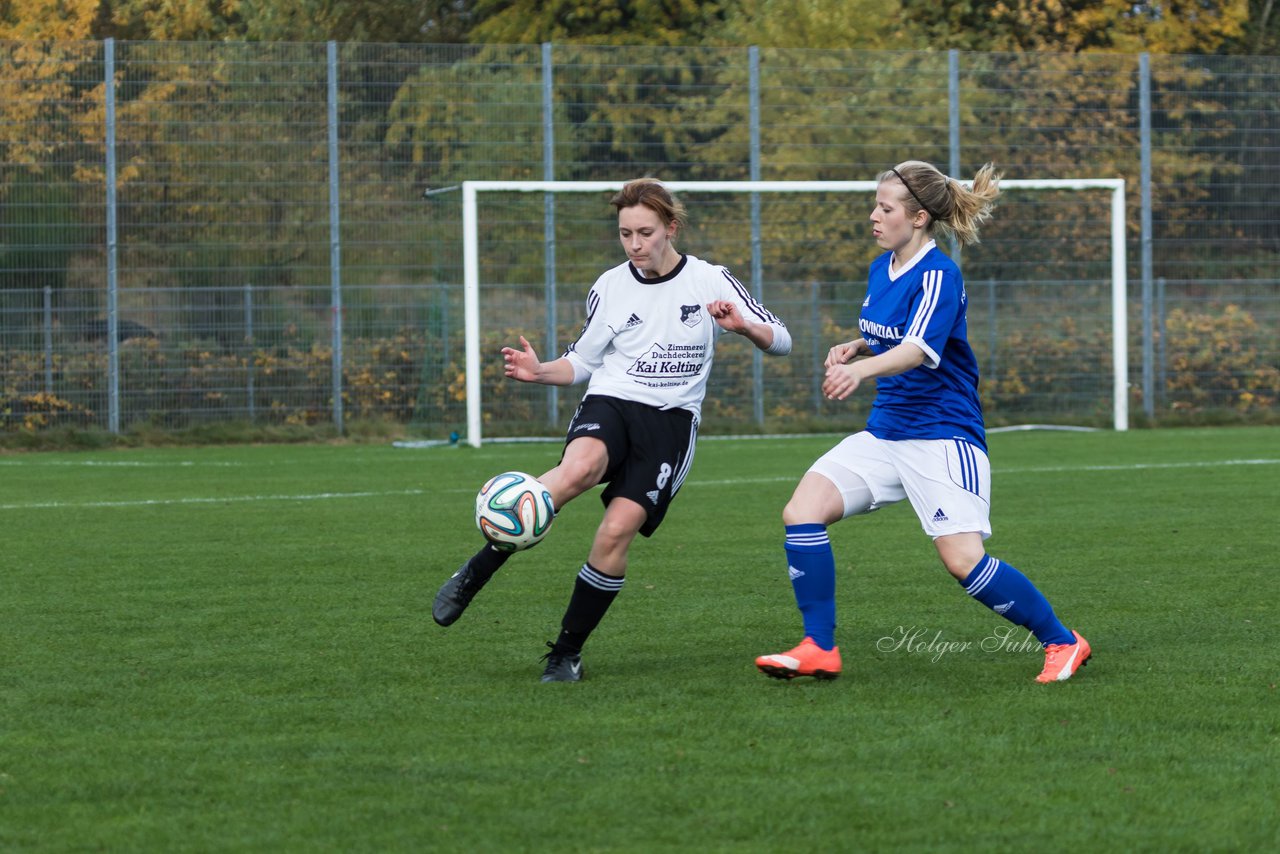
(647, 347)
(924, 439)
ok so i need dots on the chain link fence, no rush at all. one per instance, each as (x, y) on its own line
(267, 233)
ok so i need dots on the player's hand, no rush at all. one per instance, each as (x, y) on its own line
(841, 381)
(522, 364)
(727, 316)
(842, 354)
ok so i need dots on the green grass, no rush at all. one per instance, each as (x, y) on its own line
(230, 649)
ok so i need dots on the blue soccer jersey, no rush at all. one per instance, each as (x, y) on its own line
(923, 302)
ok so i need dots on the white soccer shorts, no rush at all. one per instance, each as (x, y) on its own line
(948, 481)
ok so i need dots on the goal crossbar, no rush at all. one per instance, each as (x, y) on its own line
(471, 259)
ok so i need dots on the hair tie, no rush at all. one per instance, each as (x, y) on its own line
(919, 200)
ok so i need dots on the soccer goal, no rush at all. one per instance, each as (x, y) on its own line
(471, 190)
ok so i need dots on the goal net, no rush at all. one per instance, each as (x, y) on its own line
(1046, 293)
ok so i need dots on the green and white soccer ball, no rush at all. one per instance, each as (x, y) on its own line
(514, 511)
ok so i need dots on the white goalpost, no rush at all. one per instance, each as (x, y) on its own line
(471, 259)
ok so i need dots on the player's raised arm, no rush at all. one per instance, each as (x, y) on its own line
(842, 379)
(771, 337)
(525, 366)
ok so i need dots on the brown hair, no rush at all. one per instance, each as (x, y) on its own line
(952, 207)
(653, 195)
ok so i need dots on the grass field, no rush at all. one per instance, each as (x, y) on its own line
(231, 649)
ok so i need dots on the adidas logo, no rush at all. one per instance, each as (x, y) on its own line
(940, 516)
(633, 321)
(653, 495)
(1003, 609)
(794, 573)
(866, 302)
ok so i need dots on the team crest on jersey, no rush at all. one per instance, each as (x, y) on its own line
(690, 315)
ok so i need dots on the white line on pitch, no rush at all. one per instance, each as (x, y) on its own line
(27, 462)
(1034, 470)
(328, 496)
(1138, 466)
(229, 499)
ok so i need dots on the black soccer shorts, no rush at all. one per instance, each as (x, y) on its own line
(650, 450)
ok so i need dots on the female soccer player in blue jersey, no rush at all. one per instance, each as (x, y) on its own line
(924, 440)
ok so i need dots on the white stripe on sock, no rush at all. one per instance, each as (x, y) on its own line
(599, 580)
(985, 574)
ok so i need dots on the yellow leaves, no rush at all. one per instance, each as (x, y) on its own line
(1215, 362)
(1185, 26)
(1113, 26)
(457, 390)
(811, 24)
(181, 20)
(34, 76)
(53, 20)
(39, 410)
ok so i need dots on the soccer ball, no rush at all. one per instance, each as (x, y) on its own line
(514, 511)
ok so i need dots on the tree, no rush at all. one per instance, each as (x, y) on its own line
(386, 21)
(821, 24)
(617, 22)
(238, 20)
(68, 20)
(1075, 26)
(1261, 34)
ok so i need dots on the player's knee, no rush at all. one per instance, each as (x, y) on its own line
(580, 474)
(960, 554)
(617, 531)
(959, 569)
(796, 513)
(812, 507)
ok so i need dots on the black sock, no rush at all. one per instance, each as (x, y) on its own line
(487, 561)
(593, 593)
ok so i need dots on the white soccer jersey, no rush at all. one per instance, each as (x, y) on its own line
(652, 340)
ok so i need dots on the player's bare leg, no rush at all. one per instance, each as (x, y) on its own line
(582, 466)
(597, 585)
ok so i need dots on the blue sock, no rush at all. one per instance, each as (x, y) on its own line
(812, 567)
(1011, 594)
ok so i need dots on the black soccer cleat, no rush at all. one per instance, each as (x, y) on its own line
(455, 595)
(561, 667)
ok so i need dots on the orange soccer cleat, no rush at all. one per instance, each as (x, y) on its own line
(1062, 660)
(808, 659)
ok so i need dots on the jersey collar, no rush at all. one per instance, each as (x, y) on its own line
(894, 275)
(645, 280)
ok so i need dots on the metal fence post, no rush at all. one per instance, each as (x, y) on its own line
(1161, 357)
(248, 340)
(549, 224)
(1144, 121)
(757, 261)
(335, 237)
(815, 355)
(48, 340)
(953, 110)
(992, 333)
(953, 124)
(113, 270)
